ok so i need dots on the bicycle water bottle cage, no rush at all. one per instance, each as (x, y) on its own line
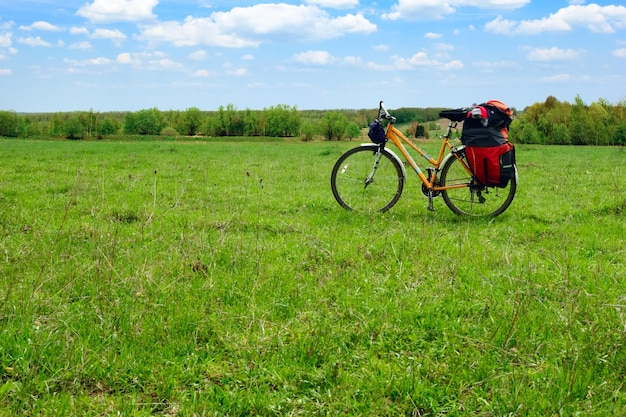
(377, 132)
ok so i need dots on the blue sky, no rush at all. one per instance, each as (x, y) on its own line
(110, 55)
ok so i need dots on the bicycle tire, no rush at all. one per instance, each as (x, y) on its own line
(474, 200)
(348, 180)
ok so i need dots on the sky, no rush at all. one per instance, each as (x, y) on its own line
(128, 55)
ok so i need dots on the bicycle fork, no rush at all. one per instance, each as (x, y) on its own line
(370, 177)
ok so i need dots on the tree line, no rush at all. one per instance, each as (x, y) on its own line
(276, 121)
(555, 122)
(550, 122)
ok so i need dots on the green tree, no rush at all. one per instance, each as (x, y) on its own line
(601, 121)
(307, 130)
(27, 127)
(333, 125)
(560, 135)
(191, 121)
(237, 123)
(89, 120)
(109, 127)
(619, 136)
(581, 127)
(282, 121)
(253, 123)
(353, 130)
(144, 122)
(220, 124)
(9, 124)
(73, 128)
(526, 132)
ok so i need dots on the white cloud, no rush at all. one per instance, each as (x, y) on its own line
(114, 36)
(5, 39)
(444, 47)
(595, 18)
(80, 45)
(314, 58)
(45, 26)
(166, 64)
(249, 26)
(33, 41)
(6, 71)
(199, 55)
(88, 62)
(107, 11)
(419, 60)
(239, 72)
(125, 58)
(148, 60)
(334, 4)
(201, 73)
(193, 32)
(79, 31)
(619, 53)
(351, 60)
(322, 58)
(413, 9)
(434, 9)
(557, 78)
(552, 54)
(99, 61)
(431, 35)
(494, 66)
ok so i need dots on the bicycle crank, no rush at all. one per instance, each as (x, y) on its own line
(428, 192)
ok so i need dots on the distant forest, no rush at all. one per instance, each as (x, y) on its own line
(550, 122)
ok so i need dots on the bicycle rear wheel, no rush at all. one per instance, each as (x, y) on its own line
(355, 188)
(474, 199)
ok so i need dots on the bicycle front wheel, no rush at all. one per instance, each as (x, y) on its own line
(362, 184)
(474, 199)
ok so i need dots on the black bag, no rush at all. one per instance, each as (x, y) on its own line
(485, 125)
(377, 133)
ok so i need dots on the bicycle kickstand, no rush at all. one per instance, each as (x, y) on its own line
(430, 193)
(431, 207)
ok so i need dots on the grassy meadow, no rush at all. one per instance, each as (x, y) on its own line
(221, 278)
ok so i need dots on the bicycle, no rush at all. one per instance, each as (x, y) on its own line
(370, 178)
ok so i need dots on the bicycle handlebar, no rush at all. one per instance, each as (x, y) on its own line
(384, 114)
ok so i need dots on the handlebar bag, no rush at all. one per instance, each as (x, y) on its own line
(376, 132)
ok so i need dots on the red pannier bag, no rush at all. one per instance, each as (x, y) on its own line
(492, 166)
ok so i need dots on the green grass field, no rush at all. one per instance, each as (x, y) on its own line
(201, 279)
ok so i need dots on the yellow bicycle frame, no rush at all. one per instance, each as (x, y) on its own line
(395, 136)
